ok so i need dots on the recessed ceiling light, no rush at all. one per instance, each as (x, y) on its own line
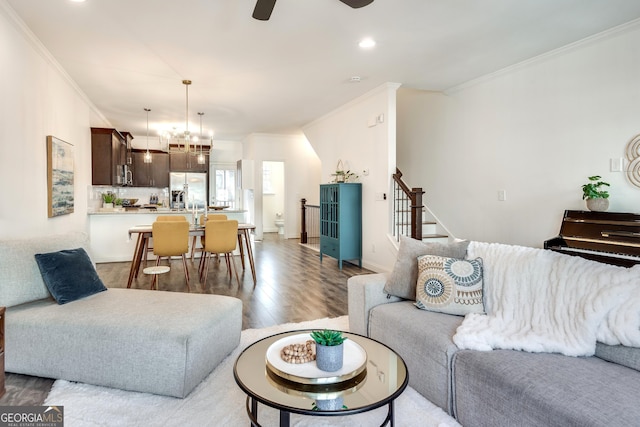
(78, 1)
(367, 43)
(355, 79)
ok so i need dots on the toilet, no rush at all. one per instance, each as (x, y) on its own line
(279, 222)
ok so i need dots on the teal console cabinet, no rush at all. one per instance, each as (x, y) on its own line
(341, 222)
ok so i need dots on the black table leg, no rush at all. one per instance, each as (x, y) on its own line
(252, 411)
(391, 420)
(285, 418)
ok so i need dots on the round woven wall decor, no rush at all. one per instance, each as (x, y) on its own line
(633, 155)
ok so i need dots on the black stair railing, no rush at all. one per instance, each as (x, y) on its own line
(407, 209)
(310, 224)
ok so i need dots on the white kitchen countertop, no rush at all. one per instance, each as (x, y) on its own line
(109, 238)
(122, 211)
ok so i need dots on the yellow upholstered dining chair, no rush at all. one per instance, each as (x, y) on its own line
(221, 238)
(215, 217)
(171, 218)
(171, 238)
(162, 218)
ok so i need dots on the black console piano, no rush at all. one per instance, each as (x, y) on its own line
(609, 237)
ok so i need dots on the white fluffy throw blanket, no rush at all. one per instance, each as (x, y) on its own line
(542, 301)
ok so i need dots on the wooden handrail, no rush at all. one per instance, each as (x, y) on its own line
(415, 197)
(397, 177)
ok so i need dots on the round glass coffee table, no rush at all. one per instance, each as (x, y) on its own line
(382, 380)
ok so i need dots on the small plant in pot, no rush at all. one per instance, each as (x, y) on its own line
(107, 199)
(329, 349)
(597, 198)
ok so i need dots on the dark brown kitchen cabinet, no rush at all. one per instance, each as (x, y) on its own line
(186, 162)
(154, 174)
(108, 150)
(128, 156)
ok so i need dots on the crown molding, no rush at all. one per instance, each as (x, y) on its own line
(603, 35)
(40, 49)
(383, 88)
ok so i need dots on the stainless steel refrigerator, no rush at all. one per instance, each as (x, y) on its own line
(188, 188)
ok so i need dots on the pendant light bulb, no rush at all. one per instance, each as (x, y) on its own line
(201, 158)
(187, 137)
(147, 155)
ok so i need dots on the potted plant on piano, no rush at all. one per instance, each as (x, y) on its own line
(597, 198)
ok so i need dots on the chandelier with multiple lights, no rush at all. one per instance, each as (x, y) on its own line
(184, 142)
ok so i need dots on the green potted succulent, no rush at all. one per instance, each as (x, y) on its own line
(329, 349)
(597, 199)
(107, 199)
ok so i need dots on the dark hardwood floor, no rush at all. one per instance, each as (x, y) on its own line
(292, 286)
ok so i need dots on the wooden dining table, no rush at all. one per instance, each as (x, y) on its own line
(144, 233)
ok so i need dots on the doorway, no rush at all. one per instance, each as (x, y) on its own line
(273, 197)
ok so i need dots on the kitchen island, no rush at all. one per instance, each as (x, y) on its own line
(109, 229)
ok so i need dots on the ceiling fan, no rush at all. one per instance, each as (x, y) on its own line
(264, 8)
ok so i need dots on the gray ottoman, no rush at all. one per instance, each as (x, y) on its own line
(147, 341)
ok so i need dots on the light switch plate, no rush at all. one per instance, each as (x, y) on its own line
(617, 164)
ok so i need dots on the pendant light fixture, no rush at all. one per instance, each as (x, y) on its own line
(147, 155)
(201, 157)
(187, 135)
(176, 142)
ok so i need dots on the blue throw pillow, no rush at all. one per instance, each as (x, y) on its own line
(69, 275)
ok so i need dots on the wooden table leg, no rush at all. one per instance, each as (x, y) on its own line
(247, 237)
(143, 254)
(241, 247)
(135, 262)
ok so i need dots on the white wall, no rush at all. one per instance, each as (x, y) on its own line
(38, 99)
(273, 203)
(346, 134)
(301, 170)
(536, 130)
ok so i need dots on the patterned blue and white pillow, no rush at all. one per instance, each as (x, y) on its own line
(449, 285)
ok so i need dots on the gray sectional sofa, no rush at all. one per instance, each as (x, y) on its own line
(498, 387)
(147, 341)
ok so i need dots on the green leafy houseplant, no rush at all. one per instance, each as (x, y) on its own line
(342, 176)
(329, 349)
(328, 337)
(592, 190)
(108, 197)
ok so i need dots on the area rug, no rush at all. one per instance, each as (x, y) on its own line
(218, 401)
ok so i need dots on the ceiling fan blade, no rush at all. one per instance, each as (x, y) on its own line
(356, 3)
(263, 9)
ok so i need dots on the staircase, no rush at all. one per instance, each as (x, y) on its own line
(432, 230)
(410, 217)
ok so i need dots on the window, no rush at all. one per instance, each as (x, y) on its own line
(267, 175)
(223, 190)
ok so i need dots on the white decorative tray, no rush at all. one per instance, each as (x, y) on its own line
(354, 363)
